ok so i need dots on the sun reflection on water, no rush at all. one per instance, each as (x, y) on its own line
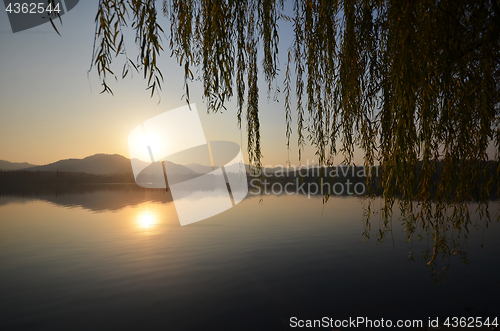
(147, 221)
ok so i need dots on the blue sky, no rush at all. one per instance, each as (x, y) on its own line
(50, 109)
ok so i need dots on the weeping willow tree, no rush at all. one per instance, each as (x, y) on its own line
(414, 84)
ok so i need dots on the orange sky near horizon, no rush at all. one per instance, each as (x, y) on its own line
(51, 110)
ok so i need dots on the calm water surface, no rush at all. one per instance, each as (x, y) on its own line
(119, 259)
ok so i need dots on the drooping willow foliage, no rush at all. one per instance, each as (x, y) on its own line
(414, 84)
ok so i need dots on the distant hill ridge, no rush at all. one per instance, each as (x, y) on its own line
(106, 164)
(6, 165)
(98, 164)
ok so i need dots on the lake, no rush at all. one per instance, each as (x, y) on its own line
(118, 258)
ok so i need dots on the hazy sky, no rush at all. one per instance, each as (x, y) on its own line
(51, 110)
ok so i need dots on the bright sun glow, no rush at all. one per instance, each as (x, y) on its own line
(147, 140)
(147, 221)
(139, 142)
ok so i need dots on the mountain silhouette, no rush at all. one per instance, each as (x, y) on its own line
(6, 165)
(103, 164)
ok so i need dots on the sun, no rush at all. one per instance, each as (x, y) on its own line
(144, 145)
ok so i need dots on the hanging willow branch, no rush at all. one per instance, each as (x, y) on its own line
(414, 84)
